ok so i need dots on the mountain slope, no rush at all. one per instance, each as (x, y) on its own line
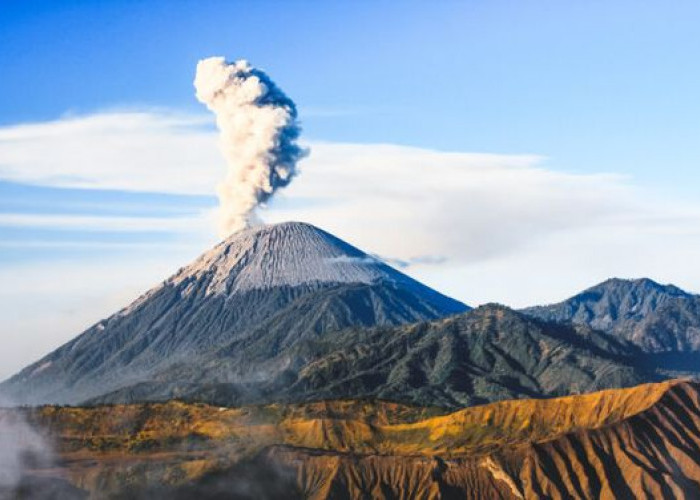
(626, 443)
(278, 284)
(657, 318)
(487, 354)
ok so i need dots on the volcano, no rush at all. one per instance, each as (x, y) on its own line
(248, 299)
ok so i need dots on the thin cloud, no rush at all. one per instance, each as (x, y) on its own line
(131, 151)
(405, 203)
(106, 223)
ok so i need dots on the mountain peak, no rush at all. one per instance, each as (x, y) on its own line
(285, 254)
(644, 285)
(656, 317)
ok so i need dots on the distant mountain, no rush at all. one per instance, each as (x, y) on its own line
(657, 318)
(260, 292)
(488, 354)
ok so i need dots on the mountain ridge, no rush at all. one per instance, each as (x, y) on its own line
(657, 318)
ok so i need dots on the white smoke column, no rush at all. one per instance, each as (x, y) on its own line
(258, 133)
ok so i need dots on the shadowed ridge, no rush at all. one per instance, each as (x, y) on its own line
(487, 354)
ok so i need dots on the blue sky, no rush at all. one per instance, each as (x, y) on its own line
(571, 129)
(598, 85)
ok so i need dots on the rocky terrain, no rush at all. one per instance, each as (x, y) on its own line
(625, 443)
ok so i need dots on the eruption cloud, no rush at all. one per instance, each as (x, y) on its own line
(258, 137)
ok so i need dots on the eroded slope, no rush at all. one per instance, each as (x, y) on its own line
(609, 444)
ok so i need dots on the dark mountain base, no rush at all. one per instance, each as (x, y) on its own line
(485, 355)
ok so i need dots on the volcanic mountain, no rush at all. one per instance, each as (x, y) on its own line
(266, 288)
(657, 318)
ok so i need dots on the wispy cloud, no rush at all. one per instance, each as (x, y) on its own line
(132, 151)
(108, 223)
(408, 203)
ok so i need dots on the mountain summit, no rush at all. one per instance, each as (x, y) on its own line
(253, 295)
(288, 254)
(657, 318)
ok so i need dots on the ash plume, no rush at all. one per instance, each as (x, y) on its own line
(258, 136)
